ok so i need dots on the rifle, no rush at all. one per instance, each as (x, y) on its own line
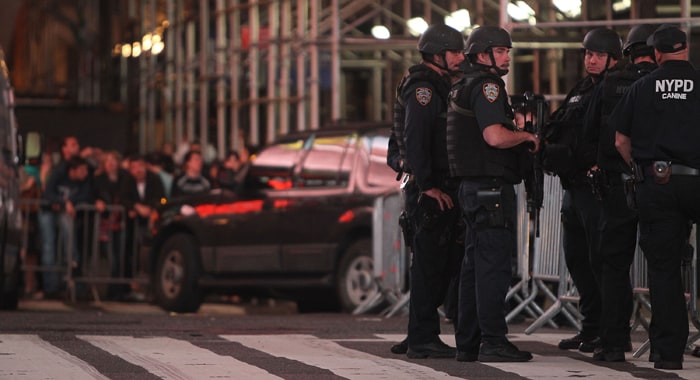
(533, 107)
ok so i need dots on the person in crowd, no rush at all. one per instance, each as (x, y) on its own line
(166, 157)
(156, 162)
(30, 195)
(618, 225)
(419, 131)
(571, 157)
(229, 175)
(52, 217)
(192, 180)
(657, 133)
(485, 151)
(111, 189)
(212, 173)
(145, 192)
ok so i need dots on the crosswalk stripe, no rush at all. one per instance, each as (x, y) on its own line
(345, 362)
(30, 357)
(176, 359)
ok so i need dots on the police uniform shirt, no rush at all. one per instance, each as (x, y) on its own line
(489, 102)
(424, 131)
(660, 114)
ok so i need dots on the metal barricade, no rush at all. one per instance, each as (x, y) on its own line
(548, 261)
(34, 210)
(91, 248)
(389, 256)
(524, 291)
(641, 292)
(109, 251)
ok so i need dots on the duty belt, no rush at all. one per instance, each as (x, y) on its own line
(676, 169)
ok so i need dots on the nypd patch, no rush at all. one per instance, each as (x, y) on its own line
(491, 91)
(424, 95)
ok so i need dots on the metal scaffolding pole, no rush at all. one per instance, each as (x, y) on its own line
(190, 59)
(234, 69)
(302, 19)
(272, 60)
(203, 80)
(220, 53)
(285, 69)
(168, 89)
(314, 80)
(253, 64)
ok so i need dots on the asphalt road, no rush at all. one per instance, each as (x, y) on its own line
(53, 340)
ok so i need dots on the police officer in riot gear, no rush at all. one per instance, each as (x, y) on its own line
(430, 194)
(570, 156)
(618, 226)
(485, 151)
(657, 126)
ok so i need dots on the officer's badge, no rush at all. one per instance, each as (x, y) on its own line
(491, 91)
(424, 95)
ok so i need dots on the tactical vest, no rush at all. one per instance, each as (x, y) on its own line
(416, 73)
(468, 153)
(565, 154)
(615, 85)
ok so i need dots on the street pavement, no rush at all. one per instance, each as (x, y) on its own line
(55, 340)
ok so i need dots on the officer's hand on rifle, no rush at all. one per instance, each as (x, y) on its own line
(535, 142)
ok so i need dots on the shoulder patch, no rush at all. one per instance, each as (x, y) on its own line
(491, 91)
(424, 95)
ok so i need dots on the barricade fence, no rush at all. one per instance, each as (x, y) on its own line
(541, 277)
(77, 253)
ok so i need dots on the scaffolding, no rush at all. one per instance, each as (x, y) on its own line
(237, 72)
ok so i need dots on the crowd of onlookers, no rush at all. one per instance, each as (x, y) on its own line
(52, 188)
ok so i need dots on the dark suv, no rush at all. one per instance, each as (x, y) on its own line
(300, 225)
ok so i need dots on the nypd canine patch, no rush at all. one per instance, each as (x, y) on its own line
(491, 91)
(424, 95)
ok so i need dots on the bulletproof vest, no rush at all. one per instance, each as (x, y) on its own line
(565, 153)
(468, 153)
(615, 85)
(416, 73)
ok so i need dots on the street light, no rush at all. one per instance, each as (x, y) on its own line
(521, 12)
(381, 32)
(459, 20)
(416, 26)
(570, 8)
(136, 49)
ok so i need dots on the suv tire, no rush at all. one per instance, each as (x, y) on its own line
(355, 280)
(176, 277)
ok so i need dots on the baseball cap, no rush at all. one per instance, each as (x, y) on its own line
(668, 39)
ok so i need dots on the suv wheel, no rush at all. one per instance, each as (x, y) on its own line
(355, 280)
(177, 275)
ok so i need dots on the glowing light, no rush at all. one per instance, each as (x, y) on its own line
(381, 32)
(459, 20)
(416, 26)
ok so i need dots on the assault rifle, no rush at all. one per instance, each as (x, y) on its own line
(534, 109)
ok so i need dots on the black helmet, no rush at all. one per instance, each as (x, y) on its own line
(484, 38)
(439, 38)
(638, 35)
(604, 40)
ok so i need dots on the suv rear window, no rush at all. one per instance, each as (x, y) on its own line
(273, 166)
(323, 165)
(379, 173)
